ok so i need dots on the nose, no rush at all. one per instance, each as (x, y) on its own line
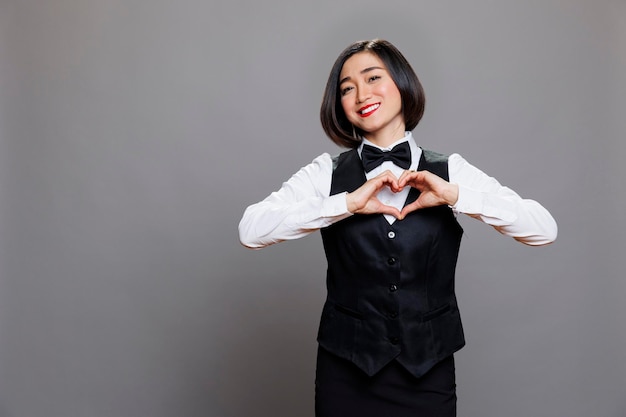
(363, 93)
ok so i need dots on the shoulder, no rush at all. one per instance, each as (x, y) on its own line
(344, 157)
(320, 162)
(433, 156)
(321, 165)
(458, 164)
(435, 162)
(454, 161)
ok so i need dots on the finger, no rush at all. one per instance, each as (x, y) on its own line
(389, 178)
(403, 180)
(377, 183)
(405, 173)
(386, 173)
(409, 208)
(384, 209)
(412, 178)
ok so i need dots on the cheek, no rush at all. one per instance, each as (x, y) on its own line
(392, 93)
(346, 108)
(388, 90)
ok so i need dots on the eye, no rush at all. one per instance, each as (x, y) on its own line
(345, 90)
(373, 78)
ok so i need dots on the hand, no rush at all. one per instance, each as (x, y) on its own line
(434, 190)
(363, 200)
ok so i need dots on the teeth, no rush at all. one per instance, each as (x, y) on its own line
(370, 108)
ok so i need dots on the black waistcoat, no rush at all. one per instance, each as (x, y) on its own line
(391, 287)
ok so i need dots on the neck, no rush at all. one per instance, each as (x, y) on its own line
(384, 138)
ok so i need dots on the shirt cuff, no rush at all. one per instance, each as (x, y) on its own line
(335, 206)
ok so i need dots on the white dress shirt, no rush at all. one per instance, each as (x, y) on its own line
(303, 204)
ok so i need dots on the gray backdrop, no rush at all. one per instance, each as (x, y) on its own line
(135, 133)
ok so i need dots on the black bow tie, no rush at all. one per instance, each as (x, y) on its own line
(373, 157)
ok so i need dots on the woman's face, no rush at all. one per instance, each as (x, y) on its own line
(370, 98)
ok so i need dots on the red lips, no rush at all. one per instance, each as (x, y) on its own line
(368, 110)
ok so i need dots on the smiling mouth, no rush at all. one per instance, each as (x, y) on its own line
(368, 110)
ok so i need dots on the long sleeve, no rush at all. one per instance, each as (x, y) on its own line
(301, 206)
(484, 198)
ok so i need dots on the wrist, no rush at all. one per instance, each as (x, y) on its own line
(350, 204)
(452, 194)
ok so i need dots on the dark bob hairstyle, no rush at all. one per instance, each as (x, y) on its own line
(334, 120)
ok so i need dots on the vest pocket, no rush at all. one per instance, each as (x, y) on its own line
(436, 312)
(337, 331)
(349, 312)
(447, 330)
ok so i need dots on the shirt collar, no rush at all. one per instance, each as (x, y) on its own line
(416, 152)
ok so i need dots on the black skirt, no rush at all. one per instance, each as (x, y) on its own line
(343, 390)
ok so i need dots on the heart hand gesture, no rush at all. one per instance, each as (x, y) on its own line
(363, 200)
(434, 190)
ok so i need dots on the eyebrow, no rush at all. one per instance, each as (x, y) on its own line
(368, 69)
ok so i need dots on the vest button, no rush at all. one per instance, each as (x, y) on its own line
(391, 260)
(393, 288)
(393, 315)
(391, 234)
(394, 340)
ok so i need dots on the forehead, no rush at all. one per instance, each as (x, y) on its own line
(360, 61)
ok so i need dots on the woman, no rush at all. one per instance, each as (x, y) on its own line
(387, 213)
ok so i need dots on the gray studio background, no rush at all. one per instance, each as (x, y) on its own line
(134, 134)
